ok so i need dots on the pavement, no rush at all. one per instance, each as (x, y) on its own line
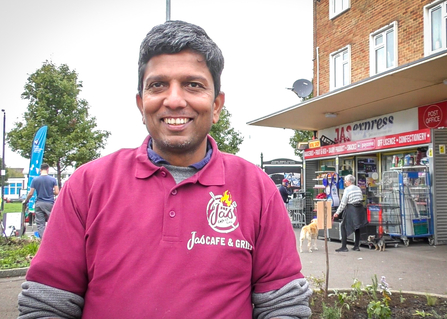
(418, 268)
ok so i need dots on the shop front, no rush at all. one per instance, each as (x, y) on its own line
(398, 160)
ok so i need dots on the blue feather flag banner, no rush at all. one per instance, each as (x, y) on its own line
(37, 150)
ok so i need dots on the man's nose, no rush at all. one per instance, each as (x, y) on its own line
(175, 96)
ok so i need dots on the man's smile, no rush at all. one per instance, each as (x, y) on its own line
(176, 121)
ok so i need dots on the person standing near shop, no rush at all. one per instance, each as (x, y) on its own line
(285, 190)
(174, 228)
(46, 188)
(354, 214)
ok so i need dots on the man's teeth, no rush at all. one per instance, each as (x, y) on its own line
(176, 121)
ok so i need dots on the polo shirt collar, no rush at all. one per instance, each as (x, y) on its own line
(212, 173)
(157, 159)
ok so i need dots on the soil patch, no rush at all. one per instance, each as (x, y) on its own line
(402, 305)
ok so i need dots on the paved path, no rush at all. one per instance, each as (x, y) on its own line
(9, 290)
(418, 267)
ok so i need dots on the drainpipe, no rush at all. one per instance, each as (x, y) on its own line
(318, 71)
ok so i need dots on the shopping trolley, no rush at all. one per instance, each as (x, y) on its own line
(295, 207)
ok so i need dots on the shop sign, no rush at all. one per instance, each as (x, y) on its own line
(393, 123)
(404, 139)
(326, 140)
(378, 143)
(433, 116)
(314, 144)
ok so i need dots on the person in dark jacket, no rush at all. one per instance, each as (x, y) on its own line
(285, 190)
(354, 214)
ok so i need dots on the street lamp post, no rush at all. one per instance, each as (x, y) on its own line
(168, 10)
(3, 161)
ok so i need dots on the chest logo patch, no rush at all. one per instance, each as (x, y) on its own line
(221, 213)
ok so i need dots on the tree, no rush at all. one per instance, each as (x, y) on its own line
(53, 95)
(300, 136)
(227, 139)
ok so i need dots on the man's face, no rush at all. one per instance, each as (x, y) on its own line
(178, 106)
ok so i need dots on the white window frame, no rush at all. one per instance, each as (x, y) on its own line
(337, 7)
(428, 26)
(333, 70)
(373, 47)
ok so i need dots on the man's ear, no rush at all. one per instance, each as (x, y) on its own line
(217, 106)
(139, 101)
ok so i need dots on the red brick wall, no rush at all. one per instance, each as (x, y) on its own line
(353, 27)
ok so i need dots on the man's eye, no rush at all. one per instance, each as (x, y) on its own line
(156, 85)
(195, 85)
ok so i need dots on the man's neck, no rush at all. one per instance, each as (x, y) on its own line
(43, 172)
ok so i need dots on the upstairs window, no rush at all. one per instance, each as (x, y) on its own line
(383, 52)
(340, 68)
(337, 7)
(435, 27)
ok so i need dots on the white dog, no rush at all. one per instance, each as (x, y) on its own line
(309, 232)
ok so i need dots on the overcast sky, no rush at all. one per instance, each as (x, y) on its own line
(267, 46)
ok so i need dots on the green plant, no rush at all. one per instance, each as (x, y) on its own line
(317, 282)
(385, 290)
(431, 300)
(357, 287)
(372, 289)
(378, 310)
(18, 252)
(401, 298)
(422, 314)
(331, 312)
(342, 299)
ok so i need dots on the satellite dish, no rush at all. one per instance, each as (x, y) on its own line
(302, 88)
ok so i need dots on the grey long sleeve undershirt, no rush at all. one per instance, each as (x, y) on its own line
(41, 301)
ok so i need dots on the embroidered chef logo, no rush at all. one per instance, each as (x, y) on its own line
(221, 213)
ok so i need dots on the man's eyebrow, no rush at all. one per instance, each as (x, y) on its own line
(155, 78)
(187, 78)
(196, 78)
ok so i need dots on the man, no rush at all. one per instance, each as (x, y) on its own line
(205, 235)
(354, 214)
(46, 188)
(285, 190)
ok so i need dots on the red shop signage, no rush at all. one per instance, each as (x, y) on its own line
(390, 141)
(433, 116)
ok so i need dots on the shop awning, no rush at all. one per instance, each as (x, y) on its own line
(415, 84)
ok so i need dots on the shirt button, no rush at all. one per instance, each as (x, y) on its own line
(163, 173)
(172, 214)
(174, 192)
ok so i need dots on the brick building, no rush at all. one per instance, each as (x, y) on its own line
(380, 100)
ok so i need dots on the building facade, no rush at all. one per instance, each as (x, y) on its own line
(379, 111)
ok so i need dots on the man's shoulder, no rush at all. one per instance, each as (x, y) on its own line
(239, 168)
(231, 159)
(122, 155)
